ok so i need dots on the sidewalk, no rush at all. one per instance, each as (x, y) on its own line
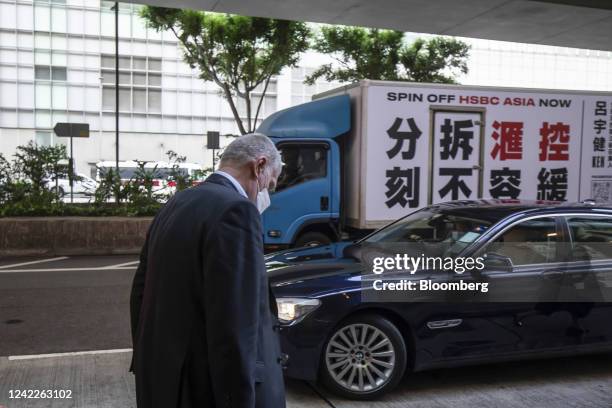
(102, 381)
(96, 381)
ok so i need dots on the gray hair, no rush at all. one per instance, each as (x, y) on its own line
(251, 147)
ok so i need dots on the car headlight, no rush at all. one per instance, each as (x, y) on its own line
(291, 310)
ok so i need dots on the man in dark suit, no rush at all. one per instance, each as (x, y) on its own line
(204, 325)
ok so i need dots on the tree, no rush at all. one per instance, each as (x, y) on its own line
(237, 53)
(369, 53)
(39, 165)
(436, 60)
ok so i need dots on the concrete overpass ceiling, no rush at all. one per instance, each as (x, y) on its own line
(567, 23)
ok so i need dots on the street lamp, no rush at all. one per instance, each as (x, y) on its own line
(115, 8)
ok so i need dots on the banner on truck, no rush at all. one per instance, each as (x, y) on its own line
(438, 144)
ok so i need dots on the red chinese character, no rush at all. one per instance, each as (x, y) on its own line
(509, 140)
(554, 144)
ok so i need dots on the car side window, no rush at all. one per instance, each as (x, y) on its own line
(301, 163)
(533, 241)
(591, 237)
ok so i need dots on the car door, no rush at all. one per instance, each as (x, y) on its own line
(587, 286)
(523, 266)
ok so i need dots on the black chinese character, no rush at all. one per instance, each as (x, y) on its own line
(456, 137)
(403, 187)
(600, 108)
(455, 183)
(552, 184)
(599, 162)
(599, 126)
(505, 183)
(599, 144)
(411, 137)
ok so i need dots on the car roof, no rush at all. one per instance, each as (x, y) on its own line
(494, 210)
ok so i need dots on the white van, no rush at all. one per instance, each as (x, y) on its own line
(162, 172)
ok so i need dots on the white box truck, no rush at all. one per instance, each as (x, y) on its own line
(360, 156)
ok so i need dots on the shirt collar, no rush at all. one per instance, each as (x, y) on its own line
(233, 181)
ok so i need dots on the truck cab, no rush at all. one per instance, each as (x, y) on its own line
(305, 208)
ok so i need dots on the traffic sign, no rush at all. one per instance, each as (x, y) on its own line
(212, 139)
(63, 129)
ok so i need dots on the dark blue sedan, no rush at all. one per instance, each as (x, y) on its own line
(360, 346)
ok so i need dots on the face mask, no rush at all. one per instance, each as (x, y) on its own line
(263, 196)
(263, 200)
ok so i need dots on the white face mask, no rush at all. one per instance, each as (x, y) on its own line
(263, 196)
(263, 200)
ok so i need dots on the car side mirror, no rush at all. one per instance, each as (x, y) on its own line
(352, 251)
(495, 261)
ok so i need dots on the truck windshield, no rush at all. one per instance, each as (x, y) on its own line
(433, 226)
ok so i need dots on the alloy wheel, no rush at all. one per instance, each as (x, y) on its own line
(360, 357)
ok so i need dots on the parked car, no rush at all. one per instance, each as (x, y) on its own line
(82, 184)
(361, 349)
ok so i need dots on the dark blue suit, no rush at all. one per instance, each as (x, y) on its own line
(203, 318)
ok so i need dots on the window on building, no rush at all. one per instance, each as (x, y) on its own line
(42, 72)
(140, 89)
(154, 101)
(47, 72)
(58, 73)
(140, 63)
(43, 138)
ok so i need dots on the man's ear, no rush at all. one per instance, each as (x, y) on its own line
(253, 167)
(261, 164)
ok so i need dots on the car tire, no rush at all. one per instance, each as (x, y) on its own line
(59, 191)
(363, 366)
(311, 239)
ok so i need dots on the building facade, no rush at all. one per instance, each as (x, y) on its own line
(57, 65)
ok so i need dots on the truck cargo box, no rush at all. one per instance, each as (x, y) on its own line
(412, 145)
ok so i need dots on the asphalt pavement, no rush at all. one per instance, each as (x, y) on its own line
(64, 324)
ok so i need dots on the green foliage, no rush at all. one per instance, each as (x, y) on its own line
(180, 178)
(363, 53)
(237, 53)
(108, 187)
(139, 190)
(40, 164)
(5, 178)
(24, 183)
(26, 186)
(133, 197)
(436, 60)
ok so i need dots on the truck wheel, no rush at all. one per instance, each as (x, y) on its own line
(364, 358)
(311, 239)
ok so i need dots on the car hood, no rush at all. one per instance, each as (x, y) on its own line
(300, 267)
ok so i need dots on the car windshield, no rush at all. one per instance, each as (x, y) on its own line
(438, 226)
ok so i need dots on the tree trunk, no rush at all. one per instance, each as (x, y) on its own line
(228, 96)
(247, 99)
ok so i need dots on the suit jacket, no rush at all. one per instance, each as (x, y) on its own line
(204, 325)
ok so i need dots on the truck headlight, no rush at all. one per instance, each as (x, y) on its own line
(293, 309)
